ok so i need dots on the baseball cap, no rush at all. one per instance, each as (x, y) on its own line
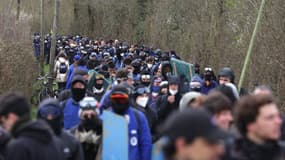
(76, 57)
(191, 124)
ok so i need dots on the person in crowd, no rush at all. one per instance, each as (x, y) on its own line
(154, 88)
(169, 102)
(98, 89)
(259, 123)
(190, 100)
(77, 65)
(163, 88)
(123, 77)
(89, 130)
(209, 82)
(221, 109)
(139, 131)
(61, 68)
(226, 75)
(140, 101)
(192, 135)
(263, 89)
(50, 111)
(32, 140)
(145, 78)
(228, 92)
(196, 83)
(71, 105)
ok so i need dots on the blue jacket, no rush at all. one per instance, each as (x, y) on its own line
(71, 73)
(206, 89)
(70, 114)
(139, 138)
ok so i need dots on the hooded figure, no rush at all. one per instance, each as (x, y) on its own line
(50, 111)
(71, 106)
(168, 103)
(32, 140)
(89, 130)
(187, 99)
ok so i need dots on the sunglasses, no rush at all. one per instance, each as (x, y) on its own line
(146, 76)
(143, 90)
(86, 104)
(208, 69)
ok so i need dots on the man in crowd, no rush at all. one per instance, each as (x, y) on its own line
(139, 132)
(32, 140)
(50, 111)
(259, 122)
(71, 105)
(192, 135)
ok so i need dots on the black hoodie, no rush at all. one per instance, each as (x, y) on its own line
(33, 140)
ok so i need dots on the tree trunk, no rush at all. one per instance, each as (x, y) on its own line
(42, 38)
(53, 42)
(18, 9)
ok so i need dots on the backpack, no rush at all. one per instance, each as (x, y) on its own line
(62, 68)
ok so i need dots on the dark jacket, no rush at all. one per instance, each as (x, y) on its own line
(71, 146)
(244, 149)
(164, 108)
(4, 139)
(150, 115)
(34, 140)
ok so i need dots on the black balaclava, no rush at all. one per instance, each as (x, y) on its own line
(78, 93)
(119, 107)
(51, 107)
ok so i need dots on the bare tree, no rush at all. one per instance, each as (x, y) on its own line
(42, 38)
(53, 43)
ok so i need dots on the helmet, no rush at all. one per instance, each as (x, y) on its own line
(227, 72)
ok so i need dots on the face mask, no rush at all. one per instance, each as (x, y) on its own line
(98, 86)
(78, 94)
(120, 108)
(142, 101)
(208, 77)
(155, 89)
(94, 124)
(196, 89)
(149, 65)
(173, 92)
(154, 94)
(146, 83)
(56, 126)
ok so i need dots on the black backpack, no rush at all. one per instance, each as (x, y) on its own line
(62, 68)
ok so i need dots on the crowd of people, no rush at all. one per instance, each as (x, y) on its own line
(203, 118)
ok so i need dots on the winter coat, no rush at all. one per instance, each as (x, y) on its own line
(244, 149)
(90, 142)
(150, 115)
(4, 139)
(139, 136)
(206, 89)
(34, 140)
(70, 113)
(71, 146)
(71, 73)
(164, 108)
(61, 77)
